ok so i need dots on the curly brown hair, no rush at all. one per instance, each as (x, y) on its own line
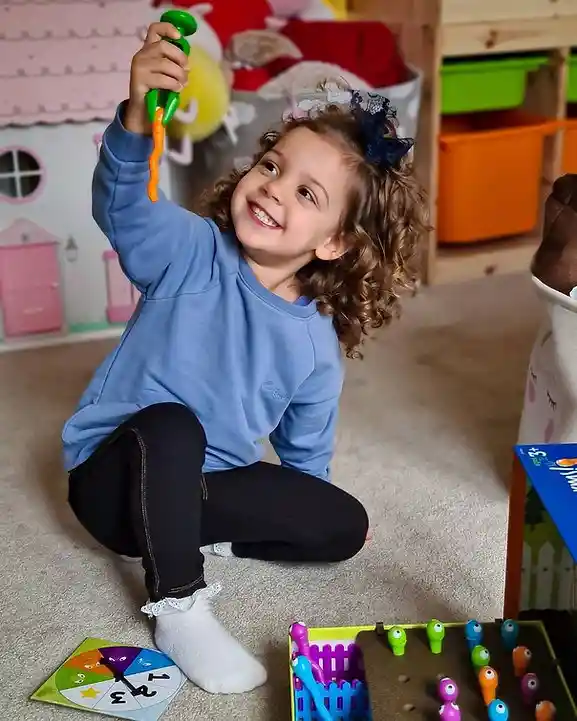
(382, 228)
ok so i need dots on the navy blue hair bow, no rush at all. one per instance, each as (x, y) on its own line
(377, 120)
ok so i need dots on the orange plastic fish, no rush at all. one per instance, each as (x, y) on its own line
(157, 150)
(545, 711)
(489, 681)
(521, 660)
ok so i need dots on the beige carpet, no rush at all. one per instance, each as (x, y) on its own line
(428, 420)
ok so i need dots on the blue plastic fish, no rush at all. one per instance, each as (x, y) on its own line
(473, 633)
(509, 633)
(498, 710)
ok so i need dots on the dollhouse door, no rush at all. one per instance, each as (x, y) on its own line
(30, 293)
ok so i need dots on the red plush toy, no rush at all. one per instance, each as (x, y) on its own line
(367, 49)
(250, 79)
(228, 18)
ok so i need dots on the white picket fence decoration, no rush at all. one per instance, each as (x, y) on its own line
(526, 577)
(551, 582)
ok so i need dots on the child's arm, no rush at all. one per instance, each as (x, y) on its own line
(305, 437)
(148, 237)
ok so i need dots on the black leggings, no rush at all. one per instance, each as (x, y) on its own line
(142, 493)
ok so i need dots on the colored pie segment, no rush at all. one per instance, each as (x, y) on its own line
(117, 700)
(88, 696)
(148, 660)
(89, 661)
(119, 658)
(83, 670)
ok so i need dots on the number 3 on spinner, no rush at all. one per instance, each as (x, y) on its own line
(119, 681)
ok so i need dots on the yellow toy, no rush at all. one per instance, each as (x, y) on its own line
(204, 101)
(339, 7)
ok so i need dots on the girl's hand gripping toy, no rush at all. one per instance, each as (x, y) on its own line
(162, 104)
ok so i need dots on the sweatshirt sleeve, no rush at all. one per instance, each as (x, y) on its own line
(305, 437)
(157, 243)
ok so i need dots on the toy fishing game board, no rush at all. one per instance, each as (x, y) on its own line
(499, 671)
(125, 682)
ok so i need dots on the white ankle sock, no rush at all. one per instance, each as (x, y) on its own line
(189, 634)
(223, 549)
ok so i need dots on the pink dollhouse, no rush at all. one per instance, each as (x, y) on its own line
(64, 68)
(30, 293)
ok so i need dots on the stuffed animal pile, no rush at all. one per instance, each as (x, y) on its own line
(261, 39)
(275, 49)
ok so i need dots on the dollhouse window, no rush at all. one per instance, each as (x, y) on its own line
(20, 174)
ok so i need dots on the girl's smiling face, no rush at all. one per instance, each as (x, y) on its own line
(289, 206)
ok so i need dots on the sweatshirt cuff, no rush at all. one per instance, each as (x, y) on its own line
(126, 147)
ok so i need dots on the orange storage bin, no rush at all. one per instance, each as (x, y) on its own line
(570, 141)
(490, 168)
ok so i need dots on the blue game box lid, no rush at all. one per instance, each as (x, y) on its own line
(552, 470)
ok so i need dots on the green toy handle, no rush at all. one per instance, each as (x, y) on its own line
(169, 99)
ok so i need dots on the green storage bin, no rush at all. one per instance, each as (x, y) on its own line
(572, 79)
(470, 86)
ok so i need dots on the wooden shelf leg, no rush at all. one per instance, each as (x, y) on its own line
(417, 24)
(420, 43)
(546, 95)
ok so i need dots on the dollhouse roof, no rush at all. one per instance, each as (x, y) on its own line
(67, 59)
(25, 231)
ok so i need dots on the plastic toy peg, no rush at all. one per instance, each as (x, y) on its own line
(480, 657)
(302, 669)
(489, 681)
(498, 710)
(450, 712)
(168, 100)
(509, 633)
(473, 633)
(545, 711)
(300, 635)
(448, 690)
(529, 687)
(397, 638)
(435, 634)
(521, 659)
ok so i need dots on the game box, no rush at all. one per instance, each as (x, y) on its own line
(365, 680)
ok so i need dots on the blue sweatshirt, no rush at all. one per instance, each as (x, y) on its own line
(205, 334)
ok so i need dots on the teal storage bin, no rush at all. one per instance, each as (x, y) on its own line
(470, 86)
(572, 79)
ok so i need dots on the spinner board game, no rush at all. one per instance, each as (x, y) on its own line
(125, 682)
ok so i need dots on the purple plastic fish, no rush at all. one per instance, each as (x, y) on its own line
(448, 690)
(450, 712)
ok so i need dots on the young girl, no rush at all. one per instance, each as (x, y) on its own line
(236, 338)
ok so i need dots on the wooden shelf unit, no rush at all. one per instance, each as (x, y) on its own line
(431, 30)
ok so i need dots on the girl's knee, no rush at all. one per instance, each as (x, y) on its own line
(352, 532)
(359, 527)
(174, 422)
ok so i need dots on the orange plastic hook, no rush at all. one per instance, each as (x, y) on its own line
(157, 150)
